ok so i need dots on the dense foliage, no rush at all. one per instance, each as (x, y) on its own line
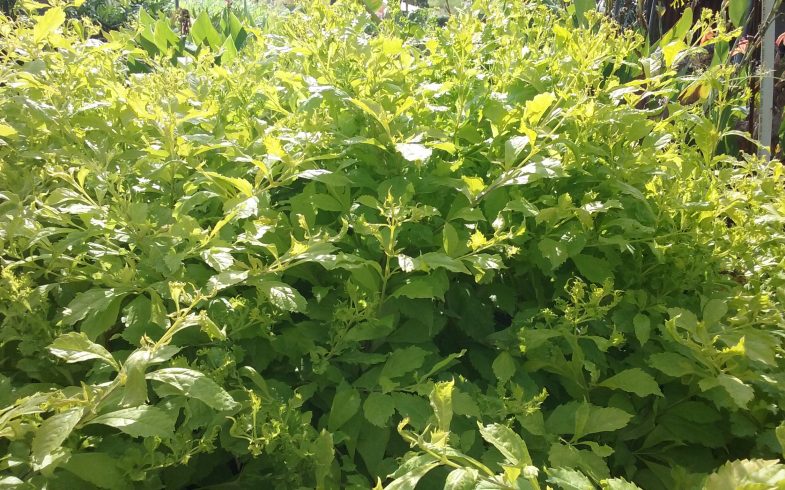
(112, 14)
(514, 251)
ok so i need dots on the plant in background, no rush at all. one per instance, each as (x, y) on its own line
(158, 38)
(529, 246)
(113, 14)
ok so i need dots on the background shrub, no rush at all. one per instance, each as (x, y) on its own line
(324, 259)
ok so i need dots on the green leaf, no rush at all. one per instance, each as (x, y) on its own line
(404, 361)
(435, 260)
(236, 28)
(346, 403)
(283, 296)
(326, 202)
(450, 240)
(682, 27)
(378, 408)
(226, 279)
(164, 36)
(582, 419)
(510, 444)
(137, 319)
(324, 455)
(485, 262)
(741, 392)
(672, 364)
(503, 366)
(373, 5)
(780, 433)
(6, 131)
(218, 258)
(99, 320)
(513, 148)
(714, 311)
(228, 50)
(210, 328)
(593, 268)
(465, 404)
(99, 469)
(48, 23)
(412, 407)
(415, 468)
(522, 206)
(462, 479)
(241, 185)
(555, 252)
(441, 403)
(11, 482)
(618, 484)
(334, 179)
(583, 6)
(642, 325)
(202, 31)
(606, 419)
(158, 313)
(89, 302)
(134, 368)
(569, 479)
(142, 421)
(470, 214)
(587, 461)
(737, 11)
(376, 112)
(76, 347)
(195, 384)
(747, 474)
(535, 108)
(51, 434)
(545, 168)
(634, 380)
(422, 287)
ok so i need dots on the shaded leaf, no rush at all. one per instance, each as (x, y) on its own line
(91, 301)
(593, 268)
(142, 421)
(737, 11)
(634, 380)
(378, 408)
(76, 347)
(741, 392)
(195, 384)
(345, 404)
(672, 364)
(52, 433)
(403, 361)
(503, 366)
(99, 469)
(283, 296)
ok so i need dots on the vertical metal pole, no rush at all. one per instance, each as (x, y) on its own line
(766, 111)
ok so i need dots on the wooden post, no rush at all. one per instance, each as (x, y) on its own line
(765, 113)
